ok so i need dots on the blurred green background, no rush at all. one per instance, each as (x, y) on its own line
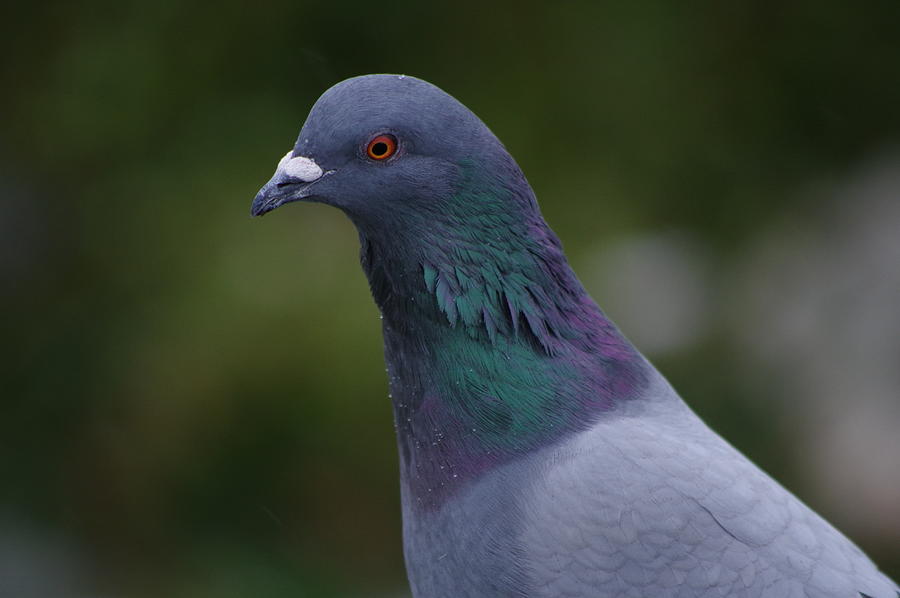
(194, 402)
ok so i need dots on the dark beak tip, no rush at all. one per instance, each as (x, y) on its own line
(262, 204)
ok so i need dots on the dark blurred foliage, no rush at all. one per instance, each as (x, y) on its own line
(194, 403)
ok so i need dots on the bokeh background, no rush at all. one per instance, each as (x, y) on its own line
(194, 403)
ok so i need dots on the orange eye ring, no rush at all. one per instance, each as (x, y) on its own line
(382, 147)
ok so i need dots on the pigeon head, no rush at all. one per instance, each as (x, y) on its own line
(449, 227)
(394, 152)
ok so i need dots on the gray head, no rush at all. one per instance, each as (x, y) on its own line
(385, 147)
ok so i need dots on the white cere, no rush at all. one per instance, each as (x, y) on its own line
(299, 167)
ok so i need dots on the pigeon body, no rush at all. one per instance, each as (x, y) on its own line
(541, 455)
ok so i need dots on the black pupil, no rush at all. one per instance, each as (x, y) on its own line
(380, 148)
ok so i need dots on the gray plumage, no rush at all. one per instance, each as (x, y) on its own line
(651, 504)
(540, 454)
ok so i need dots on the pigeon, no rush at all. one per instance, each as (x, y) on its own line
(541, 455)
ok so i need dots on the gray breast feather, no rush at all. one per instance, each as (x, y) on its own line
(659, 505)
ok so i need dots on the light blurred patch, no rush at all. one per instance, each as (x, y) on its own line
(656, 287)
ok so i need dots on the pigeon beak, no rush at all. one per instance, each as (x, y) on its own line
(291, 182)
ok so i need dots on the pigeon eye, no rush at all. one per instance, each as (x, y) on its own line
(382, 147)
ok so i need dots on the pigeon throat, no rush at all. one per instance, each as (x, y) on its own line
(493, 347)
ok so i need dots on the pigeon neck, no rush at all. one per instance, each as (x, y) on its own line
(486, 264)
(493, 347)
